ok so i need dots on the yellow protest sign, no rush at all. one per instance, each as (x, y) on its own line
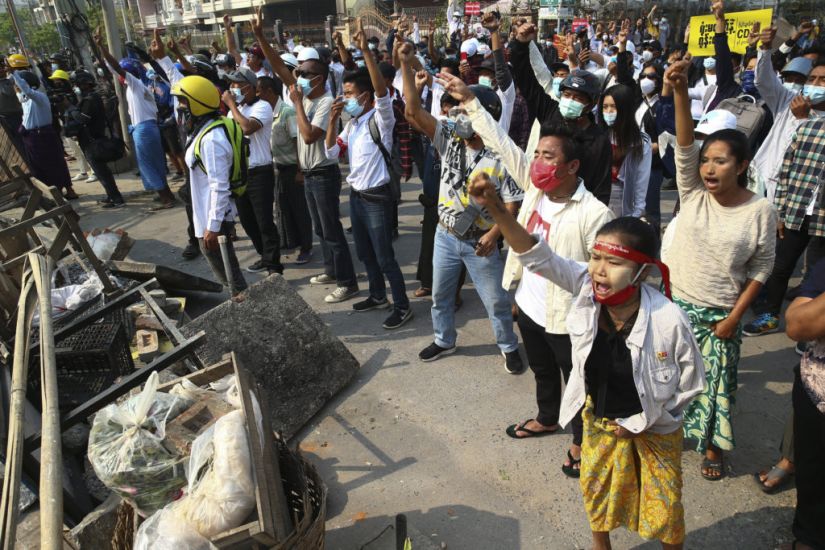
(737, 24)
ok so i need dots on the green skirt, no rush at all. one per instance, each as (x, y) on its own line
(708, 418)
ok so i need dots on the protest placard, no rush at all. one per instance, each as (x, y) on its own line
(737, 24)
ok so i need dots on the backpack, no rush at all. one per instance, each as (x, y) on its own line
(750, 116)
(393, 164)
(240, 152)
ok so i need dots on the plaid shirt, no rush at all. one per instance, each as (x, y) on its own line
(803, 170)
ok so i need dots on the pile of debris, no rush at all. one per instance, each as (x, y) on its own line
(194, 459)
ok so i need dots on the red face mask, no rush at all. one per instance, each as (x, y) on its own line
(544, 175)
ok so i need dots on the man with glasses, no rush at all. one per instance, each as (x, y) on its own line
(322, 176)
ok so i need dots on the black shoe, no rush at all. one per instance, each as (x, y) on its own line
(512, 362)
(434, 351)
(370, 303)
(257, 267)
(398, 318)
(113, 205)
(191, 251)
(349, 229)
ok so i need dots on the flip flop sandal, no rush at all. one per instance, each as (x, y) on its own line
(513, 430)
(569, 469)
(776, 473)
(708, 464)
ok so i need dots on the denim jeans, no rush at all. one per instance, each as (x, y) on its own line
(215, 261)
(323, 189)
(486, 271)
(295, 222)
(255, 208)
(372, 232)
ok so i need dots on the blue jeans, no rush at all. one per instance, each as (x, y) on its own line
(372, 232)
(322, 187)
(486, 272)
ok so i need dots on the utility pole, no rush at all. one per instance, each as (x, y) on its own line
(124, 5)
(78, 42)
(16, 22)
(113, 39)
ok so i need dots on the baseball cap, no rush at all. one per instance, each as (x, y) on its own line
(582, 81)
(716, 120)
(289, 60)
(225, 60)
(801, 65)
(307, 54)
(484, 49)
(470, 47)
(244, 75)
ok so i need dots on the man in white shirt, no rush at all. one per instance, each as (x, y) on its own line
(213, 208)
(368, 102)
(255, 205)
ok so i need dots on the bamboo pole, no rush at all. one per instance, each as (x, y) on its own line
(17, 408)
(51, 451)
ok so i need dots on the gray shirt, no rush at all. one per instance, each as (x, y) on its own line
(314, 155)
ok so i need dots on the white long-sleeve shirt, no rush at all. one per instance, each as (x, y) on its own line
(668, 369)
(139, 99)
(367, 166)
(212, 203)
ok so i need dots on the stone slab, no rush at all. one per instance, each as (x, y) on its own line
(284, 344)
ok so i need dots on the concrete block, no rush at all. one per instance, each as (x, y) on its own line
(96, 529)
(284, 344)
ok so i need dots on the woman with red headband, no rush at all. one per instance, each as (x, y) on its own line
(636, 366)
(723, 251)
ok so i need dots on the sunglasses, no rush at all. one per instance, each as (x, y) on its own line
(305, 74)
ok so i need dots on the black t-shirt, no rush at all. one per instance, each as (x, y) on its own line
(92, 108)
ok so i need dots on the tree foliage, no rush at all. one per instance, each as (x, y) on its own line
(40, 38)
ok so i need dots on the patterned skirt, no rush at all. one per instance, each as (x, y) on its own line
(635, 482)
(708, 419)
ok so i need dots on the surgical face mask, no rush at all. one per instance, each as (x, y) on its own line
(610, 118)
(604, 38)
(352, 107)
(793, 87)
(570, 108)
(55, 67)
(709, 63)
(647, 85)
(373, 47)
(485, 81)
(360, 63)
(305, 84)
(647, 55)
(815, 93)
(221, 74)
(463, 127)
(556, 83)
(614, 59)
(237, 94)
(748, 82)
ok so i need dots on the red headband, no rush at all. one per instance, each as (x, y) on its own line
(635, 256)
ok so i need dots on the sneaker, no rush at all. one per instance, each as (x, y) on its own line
(191, 251)
(110, 205)
(257, 267)
(340, 294)
(91, 179)
(763, 324)
(434, 351)
(397, 318)
(304, 257)
(369, 304)
(512, 362)
(322, 279)
(801, 348)
(80, 176)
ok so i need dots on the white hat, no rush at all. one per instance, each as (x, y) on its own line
(484, 49)
(297, 49)
(713, 121)
(289, 59)
(470, 47)
(308, 53)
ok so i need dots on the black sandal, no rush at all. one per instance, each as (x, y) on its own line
(569, 469)
(708, 464)
(513, 430)
(782, 476)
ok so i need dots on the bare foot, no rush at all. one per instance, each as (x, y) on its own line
(533, 426)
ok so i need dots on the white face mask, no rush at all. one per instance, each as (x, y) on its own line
(647, 86)
(21, 97)
(647, 55)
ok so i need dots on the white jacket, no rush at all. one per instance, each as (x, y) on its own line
(667, 365)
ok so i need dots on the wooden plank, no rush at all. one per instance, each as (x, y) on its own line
(202, 377)
(31, 222)
(8, 265)
(194, 364)
(60, 241)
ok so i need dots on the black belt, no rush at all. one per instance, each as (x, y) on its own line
(285, 166)
(260, 169)
(473, 234)
(321, 170)
(373, 194)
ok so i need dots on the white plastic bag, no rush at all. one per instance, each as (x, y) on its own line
(221, 491)
(126, 450)
(165, 531)
(104, 244)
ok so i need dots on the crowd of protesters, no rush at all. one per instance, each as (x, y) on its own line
(555, 145)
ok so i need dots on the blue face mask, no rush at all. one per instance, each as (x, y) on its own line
(352, 107)
(793, 87)
(570, 108)
(748, 82)
(55, 67)
(710, 63)
(815, 93)
(306, 85)
(610, 118)
(556, 86)
(237, 94)
(360, 63)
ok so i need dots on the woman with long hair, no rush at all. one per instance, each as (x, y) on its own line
(725, 241)
(632, 153)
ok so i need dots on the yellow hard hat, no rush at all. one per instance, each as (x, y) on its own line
(202, 95)
(59, 74)
(17, 61)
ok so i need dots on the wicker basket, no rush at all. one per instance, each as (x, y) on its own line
(307, 498)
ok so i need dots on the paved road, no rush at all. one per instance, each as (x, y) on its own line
(427, 439)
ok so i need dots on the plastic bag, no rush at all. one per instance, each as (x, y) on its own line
(104, 244)
(68, 298)
(221, 491)
(126, 450)
(165, 531)
(227, 389)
